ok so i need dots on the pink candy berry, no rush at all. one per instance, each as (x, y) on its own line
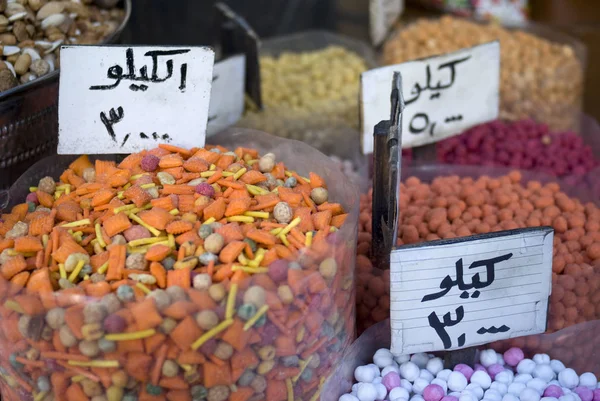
(433, 392)
(479, 366)
(597, 394)
(494, 369)
(136, 232)
(278, 270)
(32, 197)
(149, 163)
(513, 356)
(205, 189)
(114, 324)
(391, 381)
(466, 370)
(584, 393)
(553, 391)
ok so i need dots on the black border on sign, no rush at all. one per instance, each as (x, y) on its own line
(450, 241)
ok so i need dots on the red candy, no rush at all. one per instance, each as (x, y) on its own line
(149, 163)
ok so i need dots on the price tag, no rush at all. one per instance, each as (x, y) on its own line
(227, 94)
(117, 99)
(444, 95)
(452, 294)
(382, 15)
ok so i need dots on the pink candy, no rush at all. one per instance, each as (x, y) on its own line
(553, 391)
(433, 392)
(513, 356)
(149, 163)
(597, 394)
(494, 369)
(391, 381)
(466, 370)
(205, 189)
(32, 197)
(584, 393)
(479, 366)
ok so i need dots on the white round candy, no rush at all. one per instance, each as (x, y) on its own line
(588, 380)
(488, 357)
(388, 369)
(417, 397)
(544, 371)
(493, 395)
(568, 378)
(400, 359)
(406, 384)
(398, 392)
(500, 359)
(549, 399)
(355, 387)
(526, 366)
(504, 377)
(499, 387)
(399, 399)
(420, 359)
(444, 374)
(457, 381)
(455, 394)
(383, 357)
(410, 371)
(557, 366)
(435, 365)
(516, 388)
(425, 374)
(482, 378)
(364, 374)
(509, 397)
(541, 358)
(375, 369)
(367, 392)
(377, 380)
(538, 385)
(555, 382)
(348, 397)
(441, 383)
(566, 397)
(466, 396)
(381, 391)
(523, 378)
(475, 389)
(529, 394)
(419, 385)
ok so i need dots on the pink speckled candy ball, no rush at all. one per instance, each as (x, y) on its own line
(494, 369)
(449, 398)
(32, 197)
(553, 391)
(466, 370)
(205, 189)
(433, 392)
(149, 163)
(513, 356)
(391, 381)
(597, 394)
(479, 366)
(584, 393)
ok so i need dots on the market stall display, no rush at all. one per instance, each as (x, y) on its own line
(541, 71)
(178, 274)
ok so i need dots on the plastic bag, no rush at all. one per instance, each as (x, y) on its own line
(578, 347)
(299, 343)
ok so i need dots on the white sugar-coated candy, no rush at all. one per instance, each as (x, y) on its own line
(416, 397)
(425, 374)
(568, 378)
(565, 390)
(377, 380)
(475, 389)
(526, 366)
(588, 380)
(528, 394)
(398, 392)
(375, 369)
(544, 371)
(557, 366)
(492, 394)
(457, 381)
(383, 357)
(441, 383)
(435, 365)
(516, 388)
(538, 385)
(576, 396)
(420, 359)
(482, 378)
(488, 357)
(406, 384)
(348, 397)
(388, 369)
(409, 371)
(523, 378)
(444, 374)
(541, 358)
(500, 359)
(381, 391)
(504, 377)
(510, 397)
(499, 387)
(567, 397)
(467, 396)
(419, 385)
(549, 399)
(555, 382)
(355, 387)
(367, 392)
(364, 374)
(400, 359)
(455, 394)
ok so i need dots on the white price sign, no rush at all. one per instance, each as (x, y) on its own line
(451, 294)
(118, 99)
(227, 95)
(444, 95)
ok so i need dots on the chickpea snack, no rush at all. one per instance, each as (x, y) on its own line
(178, 274)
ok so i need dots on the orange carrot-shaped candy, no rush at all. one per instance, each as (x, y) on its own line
(158, 252)
(116, 262)
(116, 224)
(13, 266)
(157, 218)
(27, 244)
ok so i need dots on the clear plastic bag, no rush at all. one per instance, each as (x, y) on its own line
(298, 353)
